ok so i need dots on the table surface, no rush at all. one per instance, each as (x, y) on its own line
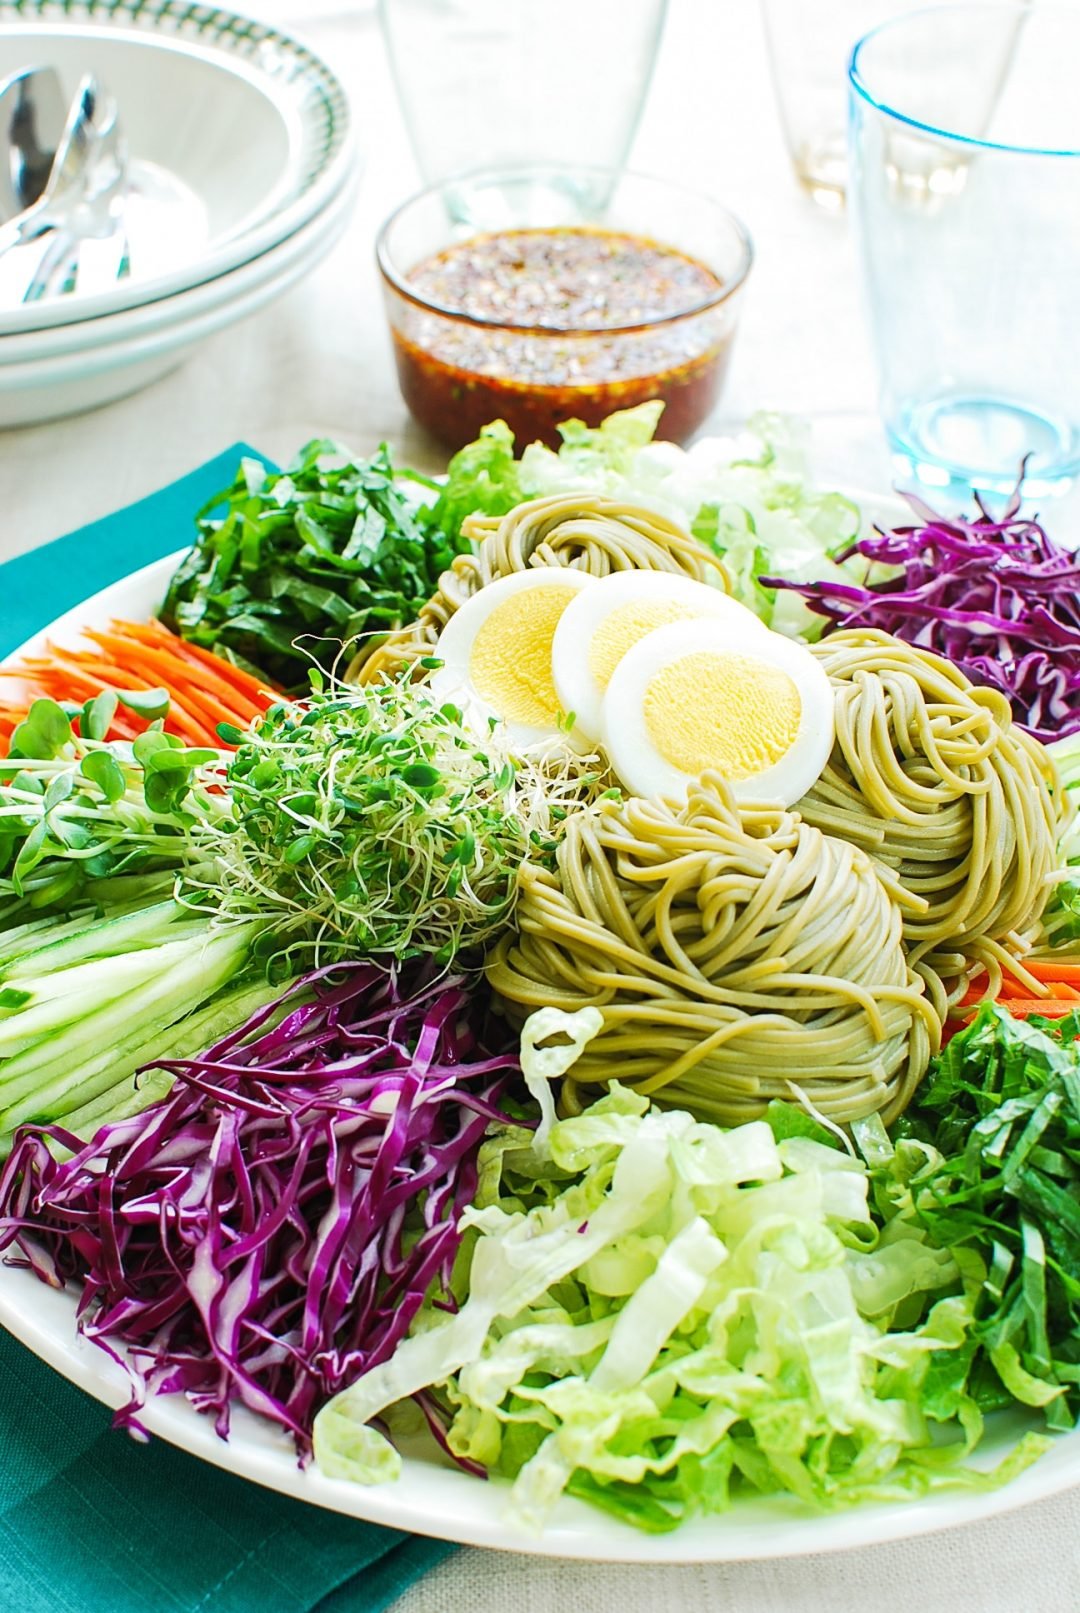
(318, 363)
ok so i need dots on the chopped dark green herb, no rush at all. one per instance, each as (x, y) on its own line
(987, 1160)
(305, 562)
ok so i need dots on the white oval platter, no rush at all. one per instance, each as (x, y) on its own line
(432, 1497)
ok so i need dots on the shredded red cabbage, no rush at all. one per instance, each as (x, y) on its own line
(268, 1231)
(998, 598)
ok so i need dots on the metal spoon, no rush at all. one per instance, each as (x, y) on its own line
(67, 170)
(93, 212)
(33, 112)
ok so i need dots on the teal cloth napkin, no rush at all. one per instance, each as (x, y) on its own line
(37, 587)
(91, 1521)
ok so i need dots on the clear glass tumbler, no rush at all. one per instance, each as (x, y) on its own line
(809, 48)
(490, 82)
(965, 188)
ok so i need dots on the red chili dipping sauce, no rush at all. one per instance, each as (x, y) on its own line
(541, 325)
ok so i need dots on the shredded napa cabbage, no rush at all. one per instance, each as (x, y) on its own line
(663, 1311)
(568, 1035)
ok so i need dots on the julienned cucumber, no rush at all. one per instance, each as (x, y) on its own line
(60, 948)
(186, 1040)
(85, 1011)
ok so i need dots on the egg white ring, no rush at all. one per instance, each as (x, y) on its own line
(453, 681)
(640, 767)
(575, 684)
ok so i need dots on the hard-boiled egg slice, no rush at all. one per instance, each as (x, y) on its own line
(598, 628)
(756, 708)
(496, 652)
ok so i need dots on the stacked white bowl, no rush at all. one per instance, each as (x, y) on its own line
(242, 172)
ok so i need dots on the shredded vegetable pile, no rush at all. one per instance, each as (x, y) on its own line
(302, 561)
(147, 672)
(999, 598)
(663, 1313)
(270, 1229)
(988, 1162)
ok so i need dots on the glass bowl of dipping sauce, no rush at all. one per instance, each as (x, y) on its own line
(545, 293)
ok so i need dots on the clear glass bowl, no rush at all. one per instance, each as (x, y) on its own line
(470, 270)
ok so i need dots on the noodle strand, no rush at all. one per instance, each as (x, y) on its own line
(730, 953)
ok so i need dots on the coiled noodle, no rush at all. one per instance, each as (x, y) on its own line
(736, 956)
(589, 532)
(931, 776)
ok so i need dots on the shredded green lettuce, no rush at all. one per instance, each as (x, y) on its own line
(588, 455)
(746, 498)
(483, 476)
(660, 1312)
(568, 1036)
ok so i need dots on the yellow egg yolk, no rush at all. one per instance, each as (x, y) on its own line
(621, 628)
(510, 664)
(733, 713)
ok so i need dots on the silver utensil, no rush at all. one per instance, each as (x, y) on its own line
(91, 211)
(66, 174)
(74, 234)
(33, 113)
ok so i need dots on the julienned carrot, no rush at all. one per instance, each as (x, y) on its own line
(203, 690)
(64, 679)
(1013, 989)
(1034, 978)
(227, 671)
(220, 669)
(1010, 990)
(1051, 1007)
(222, 673)
(160, 670)
(1049, 969)
(225, 695)
(1057, 980)
(215, 698)
(152, 659)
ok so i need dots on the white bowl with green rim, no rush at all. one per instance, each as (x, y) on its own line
(50, 385)
(239, 135)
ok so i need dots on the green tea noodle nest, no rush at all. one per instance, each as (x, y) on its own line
(588, 532)
(737, 955)
(930, 775)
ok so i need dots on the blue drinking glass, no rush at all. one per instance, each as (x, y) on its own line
(965, 190)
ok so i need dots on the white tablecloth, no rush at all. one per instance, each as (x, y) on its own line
(318, 363)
